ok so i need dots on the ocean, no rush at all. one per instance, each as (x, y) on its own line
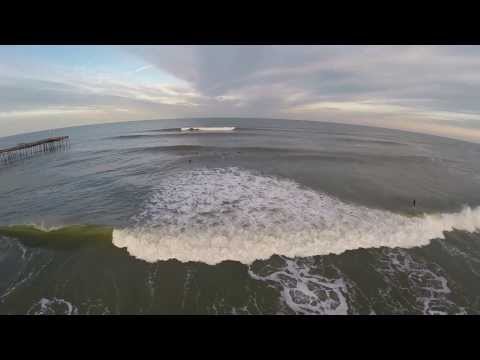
(266, 217)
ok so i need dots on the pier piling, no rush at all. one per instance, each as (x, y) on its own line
(24, 150)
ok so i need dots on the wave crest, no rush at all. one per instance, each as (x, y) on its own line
(229, 128)
(213, 215)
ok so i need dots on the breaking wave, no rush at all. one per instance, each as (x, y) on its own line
(204, 128)
(231, 128)
(213, 215)
(66, 237)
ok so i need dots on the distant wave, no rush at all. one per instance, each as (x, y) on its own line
(164, 130)
(213, 215)
(172, 148)
(172, 131)
(368, 141)
(136, 136)
(245, 150)
(181, 133)
(193, 128)
(201, 148)
(230, 128)
(304, 153)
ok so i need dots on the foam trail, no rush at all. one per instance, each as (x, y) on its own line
(212, 215)
(427, 283)
(53, 306)
(307, 292)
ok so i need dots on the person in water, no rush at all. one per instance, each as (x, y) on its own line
(413, 202)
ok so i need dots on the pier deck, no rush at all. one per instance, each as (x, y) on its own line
(23, 150)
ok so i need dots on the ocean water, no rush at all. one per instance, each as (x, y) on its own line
(270, 217)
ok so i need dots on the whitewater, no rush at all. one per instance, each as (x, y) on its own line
(214, 215)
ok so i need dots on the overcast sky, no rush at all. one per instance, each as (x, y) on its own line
(432, 89)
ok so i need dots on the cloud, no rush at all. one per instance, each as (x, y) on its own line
(420, 88)
(424, 84)
(49, 111)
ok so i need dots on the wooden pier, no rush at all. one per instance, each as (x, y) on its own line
(24, 150)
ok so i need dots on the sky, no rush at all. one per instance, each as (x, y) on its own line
(428, 89)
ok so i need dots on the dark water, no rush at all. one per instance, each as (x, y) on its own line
(273, 217)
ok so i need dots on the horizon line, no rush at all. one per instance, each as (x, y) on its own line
(243, 117)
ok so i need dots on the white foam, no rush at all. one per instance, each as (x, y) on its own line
(426, 282)
(212, 215)
(307, 292)
(207, 128)
(53, 306)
